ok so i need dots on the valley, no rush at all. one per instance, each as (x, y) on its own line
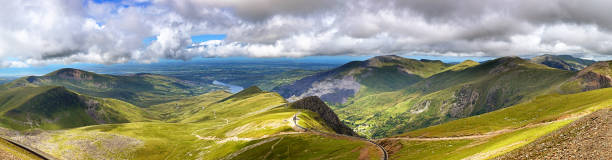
(469, 110)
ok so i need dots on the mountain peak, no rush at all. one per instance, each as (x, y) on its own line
(72, 73)
(315, 104)
(248, 92)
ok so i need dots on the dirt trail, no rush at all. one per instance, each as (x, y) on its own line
(589, 137)
(32, 150)
(382, 149)
(481, 136)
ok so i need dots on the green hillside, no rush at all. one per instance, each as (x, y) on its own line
(452, 94)
(210, 126)
(139, 89)
(498, 132)
(362, 78)
(52, 107)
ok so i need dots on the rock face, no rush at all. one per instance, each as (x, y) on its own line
(332, 86)
(592, 81)
(589, 137)
(465, 100)
(316, 105)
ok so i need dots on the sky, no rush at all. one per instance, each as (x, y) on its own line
(61, 32)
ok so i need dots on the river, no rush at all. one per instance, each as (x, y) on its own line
(232, 88)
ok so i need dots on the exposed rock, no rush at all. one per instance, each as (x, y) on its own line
(592, 81)
(334, 86)
(589, 137)
(335, 91)
(73, 74)
(316, 105)
(465, 100)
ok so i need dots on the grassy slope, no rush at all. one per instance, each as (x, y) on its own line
(390, 73)
(542, 109)
(498, 83)
(213, 132)
(10, 151)
(52, 107)
(140, 89)
(181, 109)
(515, 118)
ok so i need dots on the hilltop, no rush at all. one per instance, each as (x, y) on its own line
(139, 89)
(377, 74)
(564, 62)
(52, 107)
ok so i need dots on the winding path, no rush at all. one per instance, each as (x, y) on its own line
(382, 149)
(34, 151)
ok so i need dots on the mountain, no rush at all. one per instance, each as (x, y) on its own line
(314, 104)
(595, 76)
(564, 62)
(251, 124)
(529, 126)
(52, 107)
(139, 89)
(377, 74)
(455, 93)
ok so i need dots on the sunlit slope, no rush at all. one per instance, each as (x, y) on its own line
(11, 151)
(223, 128)
(498, 132)
(460, 92)
(139, 89)
(595, 76)
(175, 111)
(53, 107)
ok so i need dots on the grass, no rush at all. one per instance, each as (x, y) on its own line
(52, 107)
(474, 148)
(181, 109)
(542, 109)
(310, 146)
(489, 86)
(141, 89)
(8, 148)
(212, 132)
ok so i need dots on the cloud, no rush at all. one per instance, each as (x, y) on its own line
(40, 32)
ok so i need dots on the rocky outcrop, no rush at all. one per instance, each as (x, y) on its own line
(465, 100)
(333, 86)
(592, 81)
(316, 105)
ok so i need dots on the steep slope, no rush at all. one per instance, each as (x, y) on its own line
(139, 89)
(564, 62)
(451, 95)
(52, 107)
(590, 137)
(316, 105)
(495, 133)
(595, 76)
(249, 124)
(360, 78)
